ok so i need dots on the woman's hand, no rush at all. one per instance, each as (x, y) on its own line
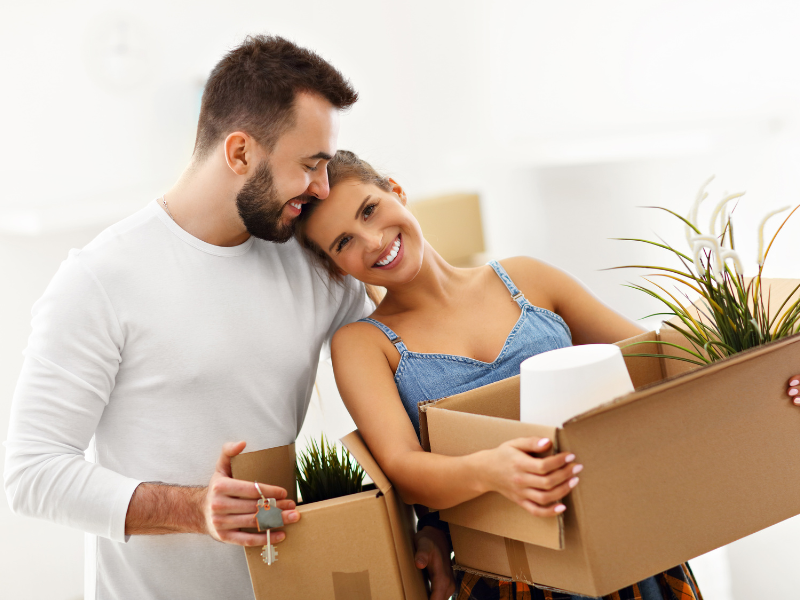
(794, 389)
(536, 484)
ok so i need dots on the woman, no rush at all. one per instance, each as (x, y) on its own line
(439, 331)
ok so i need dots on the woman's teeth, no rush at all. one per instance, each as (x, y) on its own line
(391, 256)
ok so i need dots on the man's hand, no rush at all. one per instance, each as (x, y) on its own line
(231, 504)
(218, 510)
(433, 554)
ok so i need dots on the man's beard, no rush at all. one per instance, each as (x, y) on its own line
(261, 210)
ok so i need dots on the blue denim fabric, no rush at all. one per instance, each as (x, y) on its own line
(420, 376)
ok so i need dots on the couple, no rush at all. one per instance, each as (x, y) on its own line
(191, 323)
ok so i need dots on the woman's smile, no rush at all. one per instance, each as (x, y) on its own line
(392, 256)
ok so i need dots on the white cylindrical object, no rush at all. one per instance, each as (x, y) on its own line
(560, 384)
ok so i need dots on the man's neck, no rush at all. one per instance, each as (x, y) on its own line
(202, 203)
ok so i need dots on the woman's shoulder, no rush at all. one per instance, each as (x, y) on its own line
(359, 337)
(540, 282)
(526, 271)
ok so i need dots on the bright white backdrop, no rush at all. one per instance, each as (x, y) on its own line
(564, 116)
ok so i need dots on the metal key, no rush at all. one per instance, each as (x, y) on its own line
(268, 552)
(267, 518)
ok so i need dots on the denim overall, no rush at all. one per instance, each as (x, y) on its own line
(422, 376)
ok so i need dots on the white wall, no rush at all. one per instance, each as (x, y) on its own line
(565, 116)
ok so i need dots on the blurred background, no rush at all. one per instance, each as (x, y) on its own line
(564, 117)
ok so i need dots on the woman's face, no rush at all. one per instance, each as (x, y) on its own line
(368, 233)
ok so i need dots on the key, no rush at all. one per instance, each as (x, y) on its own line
(268, 517)
(268, 552)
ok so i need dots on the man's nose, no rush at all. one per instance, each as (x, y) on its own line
(319, 184)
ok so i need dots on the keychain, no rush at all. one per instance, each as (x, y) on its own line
(268, 516)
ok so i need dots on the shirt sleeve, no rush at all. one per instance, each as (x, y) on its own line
(355, 305)
(67, 377)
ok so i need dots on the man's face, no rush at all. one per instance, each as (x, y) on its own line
(271, 199)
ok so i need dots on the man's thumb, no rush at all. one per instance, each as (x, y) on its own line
(229, 450)
(421, 559)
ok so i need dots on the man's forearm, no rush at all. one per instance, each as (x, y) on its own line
(157, 509)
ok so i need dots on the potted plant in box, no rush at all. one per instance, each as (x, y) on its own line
(732, 313)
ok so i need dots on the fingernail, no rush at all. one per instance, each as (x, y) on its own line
(278, 537)
(794, 382)
(560, 508)
(796, 401)
(573, 482)
(293, 516)
(577, 469)
(543, 442)
(570, 458)
(794, 392)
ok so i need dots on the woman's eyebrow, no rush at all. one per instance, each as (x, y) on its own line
(361, 207)
(338, 237)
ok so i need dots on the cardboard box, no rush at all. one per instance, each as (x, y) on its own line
(693, 459)
(452, 224)
(357, 547)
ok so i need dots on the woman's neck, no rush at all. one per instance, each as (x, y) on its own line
(437, 282)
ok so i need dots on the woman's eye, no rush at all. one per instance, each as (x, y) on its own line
(369, 209)
(342, 243)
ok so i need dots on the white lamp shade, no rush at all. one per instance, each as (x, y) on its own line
(558, 385)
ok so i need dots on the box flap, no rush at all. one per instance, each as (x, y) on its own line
(501, 400)
(356, 445)
(643, 370)
(403, 532)
(398, 513)
(492, 512)
(274, 466)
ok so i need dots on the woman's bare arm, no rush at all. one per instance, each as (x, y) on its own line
(366, 383)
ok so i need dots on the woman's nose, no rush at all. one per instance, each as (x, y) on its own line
(374, 241)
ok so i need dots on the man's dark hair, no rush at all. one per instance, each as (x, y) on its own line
(253, 88)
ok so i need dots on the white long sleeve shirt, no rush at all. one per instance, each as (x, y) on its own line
(161, 348)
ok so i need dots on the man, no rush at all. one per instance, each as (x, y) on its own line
(187, 325)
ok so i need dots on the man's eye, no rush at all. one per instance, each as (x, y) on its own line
(312, 169)
(342, 243)
(369, 209)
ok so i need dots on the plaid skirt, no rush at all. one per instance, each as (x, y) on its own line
(675, 584)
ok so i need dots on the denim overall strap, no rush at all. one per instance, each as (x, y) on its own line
(393, 337)
(516, 295)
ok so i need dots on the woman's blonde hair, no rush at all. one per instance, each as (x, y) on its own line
(344, 166)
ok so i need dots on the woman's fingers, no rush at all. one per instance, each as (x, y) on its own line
(551, 480)
(531, 444)
(794, 389)
(542, 511)
(547, 497)
(546, 465)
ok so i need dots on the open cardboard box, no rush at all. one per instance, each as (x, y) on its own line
(357, 547)
(693, 459)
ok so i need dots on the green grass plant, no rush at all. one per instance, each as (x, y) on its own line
(731, 313)
(324, 471)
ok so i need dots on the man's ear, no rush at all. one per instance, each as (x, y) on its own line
(239, 152)
(398, 189)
